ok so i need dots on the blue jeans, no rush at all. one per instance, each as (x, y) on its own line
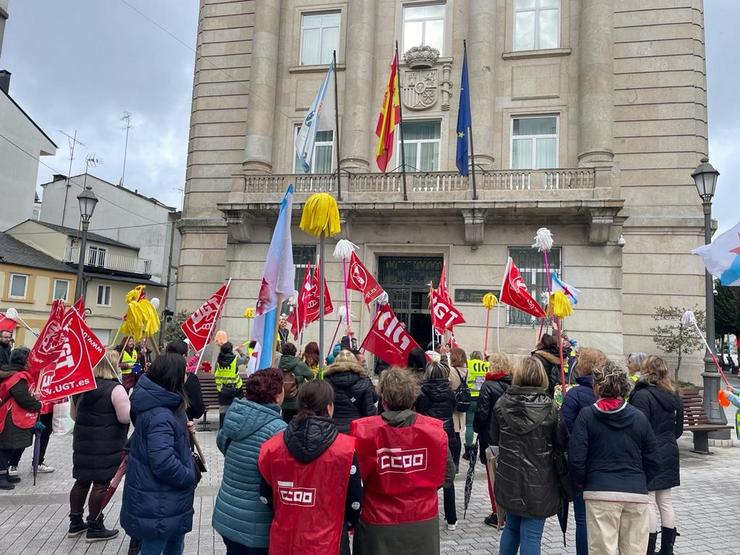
(174, 545)
(521, 534)
(579, 510)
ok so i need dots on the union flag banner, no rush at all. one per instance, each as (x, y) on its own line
(388, 339)
(80, 307)
(45, 351)
(359, 279)
(307, 308)
(444, 315)
(199, 325)
(514, 292)
(389, 117)
(73, 372)
(297, 318)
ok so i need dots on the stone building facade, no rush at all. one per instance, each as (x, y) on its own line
(588, 118)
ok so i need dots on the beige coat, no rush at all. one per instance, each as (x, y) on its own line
(458, 418)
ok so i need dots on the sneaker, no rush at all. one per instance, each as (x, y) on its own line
(451, 527)
(492, 520)
(13, 479)
(12, 471)
(46, 469)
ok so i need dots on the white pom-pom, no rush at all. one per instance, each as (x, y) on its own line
(11, 313)
(343, 314)
(688, 319)
(543, 240)
(344, 249)
(155, 303)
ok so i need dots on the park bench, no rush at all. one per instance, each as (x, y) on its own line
(695, 421)
(210, 395)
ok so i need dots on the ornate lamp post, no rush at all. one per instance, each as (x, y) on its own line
(705, 178)
(87, 200)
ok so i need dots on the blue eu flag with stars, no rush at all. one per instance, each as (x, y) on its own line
(463, 120)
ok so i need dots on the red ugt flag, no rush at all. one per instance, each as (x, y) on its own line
(388, 339)
(308, 308)
(73, 372)
(50, 341)
(197, 328)
(359, 279)
(514, 292)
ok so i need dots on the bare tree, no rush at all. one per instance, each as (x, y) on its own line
(670, 336)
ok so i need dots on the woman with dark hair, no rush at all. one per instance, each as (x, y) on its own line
(655, 395)
(549, 355)
(160, 480)
(239, 516)
(295, 374)
(306, 470)
(417, 363)
(354, 393)
(311, 357)
(196, 408)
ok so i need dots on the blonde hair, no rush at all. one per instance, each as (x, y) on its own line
(588, 359)
(611, 381)
(530, 373)
(398, 388)
(654, 371)
(105, 369)
(499, 362)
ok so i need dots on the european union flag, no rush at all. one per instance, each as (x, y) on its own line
(463, 120)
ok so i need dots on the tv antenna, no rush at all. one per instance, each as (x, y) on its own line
(126, 126)
(72, 141)
(90, 160)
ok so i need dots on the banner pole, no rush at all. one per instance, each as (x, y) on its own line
(400, 121)
(470, 130)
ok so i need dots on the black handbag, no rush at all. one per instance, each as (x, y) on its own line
(568, 489)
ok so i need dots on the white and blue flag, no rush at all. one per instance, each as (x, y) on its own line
(320, 117)
(722, 257)
(568, 290)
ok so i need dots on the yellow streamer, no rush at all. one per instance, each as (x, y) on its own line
(489, 301)
(141, 318)
(560, 306)
(321, 215)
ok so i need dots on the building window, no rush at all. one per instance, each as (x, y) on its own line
(61, 289)
(303, 255)
(531, 265)
(534, 143)
(103, 295)
(96, 256)
(18, 286)
(424, 25)
(319, 37)
(536, 24)
(323, 153)
(421, 145)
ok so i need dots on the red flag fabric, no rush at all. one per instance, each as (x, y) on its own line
(7, 324)
(514, 292)
(45, 351)
(197, 328)
(73, 372)
(308, 306)
(359, 279)
(388, 339)
(442, 289)
(444, 315)
(80, 307)
(297, 318)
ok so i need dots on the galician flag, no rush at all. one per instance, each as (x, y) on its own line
(568, 290)
(722, 256)
(389, 117)
(277, 280)
(320, 117)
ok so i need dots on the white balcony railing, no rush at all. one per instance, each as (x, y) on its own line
(107, 261)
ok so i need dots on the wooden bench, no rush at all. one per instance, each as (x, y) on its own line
(695, 421)
(210, 395)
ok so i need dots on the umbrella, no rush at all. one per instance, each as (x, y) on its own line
(491, 474)
(563, 516)
(470, 476)
(37, 429)
(115, 481)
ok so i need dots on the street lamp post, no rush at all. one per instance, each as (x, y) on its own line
(87, 200)
(705, 178)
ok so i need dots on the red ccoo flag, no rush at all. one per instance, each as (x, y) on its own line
(359, 279)
(199, 325)
(45, 351)
(514, 292)
(388, 339)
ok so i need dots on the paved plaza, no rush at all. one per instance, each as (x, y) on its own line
(33, 519)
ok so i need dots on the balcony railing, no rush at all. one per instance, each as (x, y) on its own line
(365, 186)
(107, 261)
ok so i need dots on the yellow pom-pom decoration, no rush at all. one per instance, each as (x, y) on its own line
(141, 318)
(249, 313)
(489, 301)
(559, 305)
(221, 337)
(321, 215)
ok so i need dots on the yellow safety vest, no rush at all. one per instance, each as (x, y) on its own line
(477, 370)
(129, 359)
(227, 375)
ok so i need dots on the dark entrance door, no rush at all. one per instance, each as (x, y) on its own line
(406, 280)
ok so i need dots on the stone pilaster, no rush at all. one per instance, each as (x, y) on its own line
(262, 87)
(481, 55)
(358, 87)
(596, 82)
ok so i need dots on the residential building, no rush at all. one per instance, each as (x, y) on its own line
(588, 118)
(123, 215)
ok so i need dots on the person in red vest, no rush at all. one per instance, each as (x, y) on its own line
(404, 459)
(306, 469)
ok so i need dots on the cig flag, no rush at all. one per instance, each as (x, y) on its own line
(514, 292)
(388, 339)
(320, 117)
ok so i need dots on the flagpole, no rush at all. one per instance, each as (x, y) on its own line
(400, 120)
(210, 332)
(470, 128)
(336, 127)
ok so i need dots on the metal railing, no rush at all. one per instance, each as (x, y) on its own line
(107, 261)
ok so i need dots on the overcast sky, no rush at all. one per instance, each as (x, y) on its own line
(79, 64)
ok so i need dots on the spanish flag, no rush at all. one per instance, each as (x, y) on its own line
(389, 117)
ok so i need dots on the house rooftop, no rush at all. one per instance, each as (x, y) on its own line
(91, 236)
(13, 251)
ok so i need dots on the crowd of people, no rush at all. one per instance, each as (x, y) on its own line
(324, 460)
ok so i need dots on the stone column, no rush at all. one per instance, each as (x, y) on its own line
(262, 87)
(358, 105)
(481, 57)
(596, 82)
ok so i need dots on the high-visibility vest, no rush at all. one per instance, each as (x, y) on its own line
(227, 375)
(130, 360)
(477, 370)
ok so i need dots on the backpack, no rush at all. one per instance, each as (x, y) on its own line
(290, 385)
(462, 394)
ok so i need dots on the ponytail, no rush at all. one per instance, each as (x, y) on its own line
(314, 399)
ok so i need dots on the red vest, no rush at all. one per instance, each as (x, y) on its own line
(21, 417)
(309, 498)
(402, 468)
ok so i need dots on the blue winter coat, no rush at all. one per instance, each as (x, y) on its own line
(160, 479)
(238, 514)
(576, 399)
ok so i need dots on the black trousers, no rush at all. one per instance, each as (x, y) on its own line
(5, 457)
(15, 457)
(448, 495)
(47, 420)
(234, 548)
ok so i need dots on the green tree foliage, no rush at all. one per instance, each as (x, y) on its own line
(172, 331)
(670, 336)
(727, 310)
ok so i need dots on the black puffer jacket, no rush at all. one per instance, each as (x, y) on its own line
(491, 391)
(354, 393)
(524, 426)
(664, 411)
(550, 359)
(438, 401)
(308, 438)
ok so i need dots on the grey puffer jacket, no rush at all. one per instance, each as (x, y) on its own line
(524, 426)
